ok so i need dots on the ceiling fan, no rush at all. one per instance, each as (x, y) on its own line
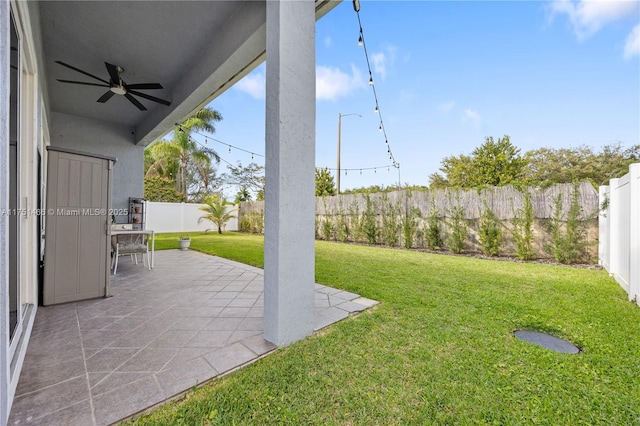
(117, 86)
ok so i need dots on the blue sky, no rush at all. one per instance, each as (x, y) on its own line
(449, 73)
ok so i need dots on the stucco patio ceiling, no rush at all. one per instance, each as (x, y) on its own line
(194, 49)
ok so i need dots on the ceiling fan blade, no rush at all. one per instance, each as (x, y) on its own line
(113, 72)
(104, 98)
(82, 72)
(83, 82)
(151, 98)
(145, 86)
(135, 102)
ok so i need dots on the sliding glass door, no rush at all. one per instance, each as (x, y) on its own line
(15, 300)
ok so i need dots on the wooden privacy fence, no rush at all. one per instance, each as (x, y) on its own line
(504, 202)
(619, 246)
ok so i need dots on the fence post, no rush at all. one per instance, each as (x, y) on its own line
(634, 240)
(614, 227)
(604, 228)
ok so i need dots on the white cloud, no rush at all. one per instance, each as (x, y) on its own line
(379, 64)
(253, 84)
(632, 45)
(333, 83)
(383, 60)
(446, 106)
(588, 16)
(473, 116)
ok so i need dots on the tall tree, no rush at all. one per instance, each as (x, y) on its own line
(494, 163)
(177, 155)
(325, 184)
(248, 179)
(547, 166)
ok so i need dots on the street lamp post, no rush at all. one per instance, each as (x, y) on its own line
(340, 115)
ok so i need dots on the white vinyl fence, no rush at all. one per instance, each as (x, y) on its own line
(619, 245)
(181, 217)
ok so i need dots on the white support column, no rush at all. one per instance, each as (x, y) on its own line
(5, 88)
(634, 240)
(289, 251)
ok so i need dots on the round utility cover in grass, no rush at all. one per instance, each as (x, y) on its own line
(547, 341)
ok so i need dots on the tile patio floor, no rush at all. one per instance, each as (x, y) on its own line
(190, 319)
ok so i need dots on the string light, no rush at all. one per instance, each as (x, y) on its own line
(360, 169)
(206, 138)
(362, 43)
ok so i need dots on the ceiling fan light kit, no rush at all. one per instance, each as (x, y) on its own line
(117, 86)
(118, 90)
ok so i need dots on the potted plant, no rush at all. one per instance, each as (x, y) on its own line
(184, 242)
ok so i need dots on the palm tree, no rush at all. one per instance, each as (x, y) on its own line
(216, 211)
(174, 157)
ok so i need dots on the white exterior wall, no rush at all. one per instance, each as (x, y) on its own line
(182, 217)
(108, 139)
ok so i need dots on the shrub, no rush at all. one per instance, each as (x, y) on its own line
(342, 225)
(355, 219)
(490, 232)
(327, 228)
(522, 232)
(457, 229)
(253, 222)
(433, 233)
(162, 189)
(390, 222)
(568, 239)
(369, 225)
(409, 225)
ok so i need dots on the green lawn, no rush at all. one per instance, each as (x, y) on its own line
(437, 350)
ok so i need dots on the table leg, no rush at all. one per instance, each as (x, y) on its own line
(153, 248)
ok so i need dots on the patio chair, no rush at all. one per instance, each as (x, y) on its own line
(132, 245)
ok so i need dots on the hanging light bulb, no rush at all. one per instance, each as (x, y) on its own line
(181, 130)
(360, 42)
(205, 141)
(345, 172)
(380, 127)
(360, 172)
(370, 80)
(229, 149)
(376, 110)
